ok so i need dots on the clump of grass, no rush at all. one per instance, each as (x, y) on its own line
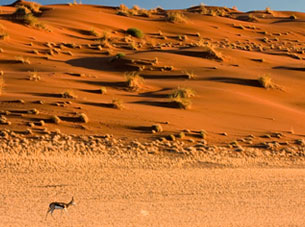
(3, 36)
(69, 94)
(190, 75)
(157, 128)
(103, 90)
(203, 134)
(135, 32)
(55, 119)
(23, 60)
(266, 82)
(34, 76)
(134, 80)
(25, 16)
(83, 118)
(176, 17)
(182, 93)
(181, 135)
(93, 32)
(118, 104)
(293, 17)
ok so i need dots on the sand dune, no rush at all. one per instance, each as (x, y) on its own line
(100, 101)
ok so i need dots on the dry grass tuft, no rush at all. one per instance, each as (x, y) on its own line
(118, 104)
(83, 118)
(103, 90)
(55, 119)
(134, 81)
(181, 92)
(266, 82)
(69, 94)
(34, 76)
(23, 60)
(157, 128)
(176, 17)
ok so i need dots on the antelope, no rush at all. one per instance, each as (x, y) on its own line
(60, 206)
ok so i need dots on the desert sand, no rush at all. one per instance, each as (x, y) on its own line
(190, 117)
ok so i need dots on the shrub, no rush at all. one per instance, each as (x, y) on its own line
(3, 36)
(134, 80)
(293, 17)
(69, 94)
(157, 128)
(55, 119)
(182, 93)
(24, 15)
(118, 104)
(266, 82)
(23, 60)
(135, 32)
(190, 75)
(176, 17)
(83, 118)
(34, 76)
(103, 90)
(93, 32)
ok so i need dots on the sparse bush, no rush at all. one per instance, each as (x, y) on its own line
(134, 80)
(157, 128)
(181, 135)
(118, 104)
(25, 16)
(293, 17)
(55, 119)
(182, 93)
(3, 36)
(83, 118)
(23, 60)
(69, 94)
(190, 75)
(34, 76)
(135, 32)
(176, 17)
(266, 82)
(93, 32)
(103, 90)
(203, 134)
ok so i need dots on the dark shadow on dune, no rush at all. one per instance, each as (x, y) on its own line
(106, 105)
(164, 77)
(290, 68)
(97, 91)
(53, 185)
(232, 80)
(102, 63)
(121, 85)
(288, 20)
(143, 129)
(155, 94)
(49, 95)
(167, 104)
(7, 61)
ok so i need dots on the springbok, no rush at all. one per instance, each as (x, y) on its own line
(60, 206)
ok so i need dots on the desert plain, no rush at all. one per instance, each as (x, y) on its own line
(191, 117)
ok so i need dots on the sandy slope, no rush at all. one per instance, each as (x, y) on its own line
(228, 97)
